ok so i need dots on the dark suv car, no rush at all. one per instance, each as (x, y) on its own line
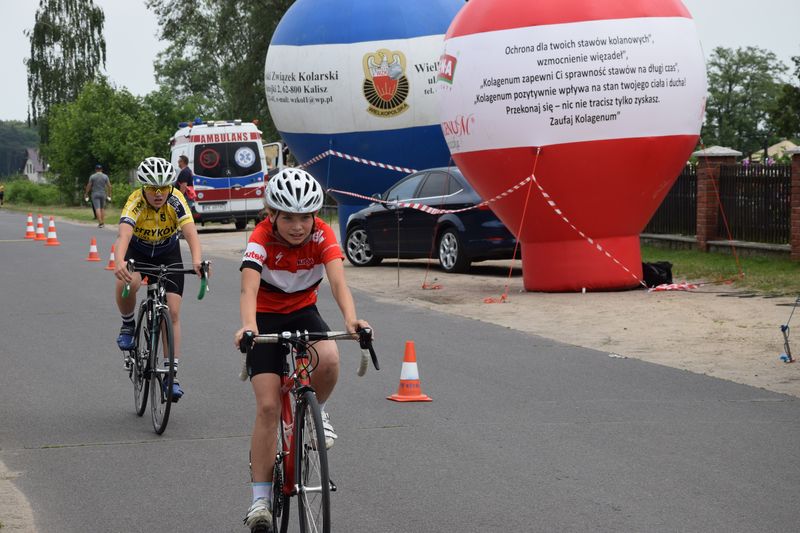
(456, 239)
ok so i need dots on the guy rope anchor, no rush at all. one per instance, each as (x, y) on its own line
(786, 357)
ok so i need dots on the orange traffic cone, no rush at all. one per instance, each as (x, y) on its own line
(29, 231)
(409, 389)
(111, 260)
(93, 255)
(52, 238)
(39, 230)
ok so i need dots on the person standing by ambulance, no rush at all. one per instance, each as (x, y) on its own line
(99, 189)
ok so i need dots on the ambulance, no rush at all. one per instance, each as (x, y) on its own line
(229, 167)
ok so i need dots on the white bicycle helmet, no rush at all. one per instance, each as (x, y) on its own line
(156, 172)
(293, 190)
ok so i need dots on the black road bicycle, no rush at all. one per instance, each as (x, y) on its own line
(151, 362)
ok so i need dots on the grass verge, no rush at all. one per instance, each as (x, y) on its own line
(763, 274)
(80, 214)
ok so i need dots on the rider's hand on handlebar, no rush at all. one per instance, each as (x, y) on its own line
(237, 337)
(357, 324)
(121, 271)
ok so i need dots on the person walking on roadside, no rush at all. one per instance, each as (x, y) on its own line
(99, 189)
(2, 194)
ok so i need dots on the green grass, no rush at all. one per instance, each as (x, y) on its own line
(762, 274)
(81, 214)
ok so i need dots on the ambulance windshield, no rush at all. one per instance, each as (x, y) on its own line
(225, 160)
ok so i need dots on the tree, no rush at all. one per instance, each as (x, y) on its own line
(742, 86)
(103, 125)
(67, 50)
(217, 50)
(785, 115)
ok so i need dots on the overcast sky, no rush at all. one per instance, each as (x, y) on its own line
(131, 43)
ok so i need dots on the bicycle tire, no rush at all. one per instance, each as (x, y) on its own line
(311, 467)
(141, 355)
(281, 503)
(161, 382)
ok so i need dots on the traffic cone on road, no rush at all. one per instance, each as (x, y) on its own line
(52, 238)
(39, 230)
(29, 231)
(409, 389)
(111, 260)
(93, 255)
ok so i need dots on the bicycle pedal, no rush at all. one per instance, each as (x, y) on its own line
(332, 484)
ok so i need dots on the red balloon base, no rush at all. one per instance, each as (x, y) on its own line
(570, 266)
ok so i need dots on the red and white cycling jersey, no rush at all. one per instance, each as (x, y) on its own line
(290, 275)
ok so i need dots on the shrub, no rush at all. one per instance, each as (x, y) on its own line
(26, 192)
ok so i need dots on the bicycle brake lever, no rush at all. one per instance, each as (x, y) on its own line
(246, 342)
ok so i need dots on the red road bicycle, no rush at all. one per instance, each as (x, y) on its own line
(301, 462)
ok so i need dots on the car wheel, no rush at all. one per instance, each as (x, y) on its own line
(452, 255)
(357, 248)
(241, 223)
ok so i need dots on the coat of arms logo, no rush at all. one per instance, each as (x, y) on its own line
(385, 82)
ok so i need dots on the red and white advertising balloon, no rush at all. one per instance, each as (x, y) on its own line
(601, 101)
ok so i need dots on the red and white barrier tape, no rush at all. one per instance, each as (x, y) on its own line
(356, 159)
(434, 211)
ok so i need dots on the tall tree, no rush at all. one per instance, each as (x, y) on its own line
(103, 125)
(785, 115)
(67, 50)
(217, 51)
(742, 86)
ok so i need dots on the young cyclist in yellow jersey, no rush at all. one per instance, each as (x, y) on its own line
(282, 268)
(148, 233)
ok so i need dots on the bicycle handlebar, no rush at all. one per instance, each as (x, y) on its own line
(363, 336)
(204, 268)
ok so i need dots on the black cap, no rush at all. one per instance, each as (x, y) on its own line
(98, 165)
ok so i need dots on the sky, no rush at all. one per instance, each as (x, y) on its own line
(132, 43)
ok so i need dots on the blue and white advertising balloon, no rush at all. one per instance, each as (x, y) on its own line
(359, 77)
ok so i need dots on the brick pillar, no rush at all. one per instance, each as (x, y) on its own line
(794, 235)
(709, 161)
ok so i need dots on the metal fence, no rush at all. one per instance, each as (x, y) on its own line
(756, 201)
(677, 214)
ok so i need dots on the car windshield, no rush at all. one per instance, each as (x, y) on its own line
(225, 160)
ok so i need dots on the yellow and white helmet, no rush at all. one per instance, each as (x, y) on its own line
(156, 172)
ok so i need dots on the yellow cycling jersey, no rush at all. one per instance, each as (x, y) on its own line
(155, 230)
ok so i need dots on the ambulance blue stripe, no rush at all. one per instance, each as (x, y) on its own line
(224, 183)
(310, 22)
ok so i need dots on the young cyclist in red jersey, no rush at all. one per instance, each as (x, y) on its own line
(282, 267)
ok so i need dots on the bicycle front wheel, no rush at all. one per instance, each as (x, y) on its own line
(311, 467)
(162, 361)
(141, 355)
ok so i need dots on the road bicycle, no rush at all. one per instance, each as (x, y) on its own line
(301, 461)
(151, 364)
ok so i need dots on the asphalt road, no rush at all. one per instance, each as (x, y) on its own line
(524, 434)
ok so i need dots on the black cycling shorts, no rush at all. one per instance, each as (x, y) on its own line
(174, 281)
(269, 358)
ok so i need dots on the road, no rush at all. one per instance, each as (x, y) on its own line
(524, 434)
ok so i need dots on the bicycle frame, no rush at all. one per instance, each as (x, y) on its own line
(294, 381)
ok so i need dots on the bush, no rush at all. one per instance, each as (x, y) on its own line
(120, 192)
(26, 192)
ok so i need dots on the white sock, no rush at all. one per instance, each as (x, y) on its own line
(262, 490)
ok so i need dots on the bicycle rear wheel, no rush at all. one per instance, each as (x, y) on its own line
(141, 354)
(311, 467)
(162, 360)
